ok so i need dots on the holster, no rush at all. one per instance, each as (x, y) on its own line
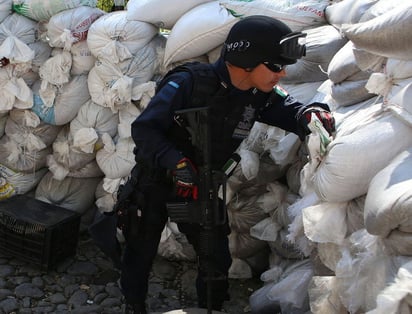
(129, 206)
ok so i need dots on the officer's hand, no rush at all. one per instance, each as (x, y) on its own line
(186, 179)
(322, 114)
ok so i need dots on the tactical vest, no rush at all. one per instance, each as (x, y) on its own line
(207, 92)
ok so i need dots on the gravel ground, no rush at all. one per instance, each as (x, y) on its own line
(87, 283)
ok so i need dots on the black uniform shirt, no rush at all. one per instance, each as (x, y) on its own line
(150, 129)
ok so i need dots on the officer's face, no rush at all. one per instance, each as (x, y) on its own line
(262, 78)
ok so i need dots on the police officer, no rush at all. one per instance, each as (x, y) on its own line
(243, 90)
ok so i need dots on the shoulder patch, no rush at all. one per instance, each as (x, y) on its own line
(280, 91)
(174, 84)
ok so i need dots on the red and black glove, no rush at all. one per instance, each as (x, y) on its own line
(324, 116)
(186, 179)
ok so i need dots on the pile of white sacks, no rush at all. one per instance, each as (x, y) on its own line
(326, 222)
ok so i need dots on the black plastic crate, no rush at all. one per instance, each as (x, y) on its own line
(37, 232)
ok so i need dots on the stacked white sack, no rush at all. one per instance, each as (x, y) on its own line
(128, 55)
(297, 14)
(43, 10)
(198, 31)
(162, 13)
(26, 137)
(124, 86)
(346, 177)
(25, 140)
(387, 205)
(5, 9)
(16, 34)
(60, 93)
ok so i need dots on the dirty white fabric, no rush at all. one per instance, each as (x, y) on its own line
(384, 35)
(114, 38)
(297, 14)
(116, 158)
(71, 26)
(198, 31)
(162, 13)
(388, 198)
(43, 10)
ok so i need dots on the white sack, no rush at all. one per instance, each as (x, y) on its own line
(275, 194)
(347, 12)
(126, 117)
(116, 85)
(394, 76)
(16, 33)
(71, 26)
(198, 31)
(297, 14)
(384, 35)
(295, 235)
(61, 104)
(162, 13)
(114, 38)
(26, 128)
(249, 163)
(243, 214)
(18, 158)
(286, 292)
(82, 58)
(388, 200)
(368, 61)
(322, 43)
(348, 93)
(343, 66)
(379, 8)
(395, 298)
(240, 269)
(15, 182)
(116, 159)
(364, 270)
(16, 25)
(76, 194)
(56, 69)
(266, 229)
(91, 115)
(14, 91)
(283, 153)
(352, 118)
(323, 297)
(347, 169)
(66, 155)
(43, 10)
(105, 201)
(5, 9)
(303, 92)
(319, 220)
(42, 52)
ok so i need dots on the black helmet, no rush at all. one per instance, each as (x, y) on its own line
(259, 38)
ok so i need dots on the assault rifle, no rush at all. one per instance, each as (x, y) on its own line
(207, 210)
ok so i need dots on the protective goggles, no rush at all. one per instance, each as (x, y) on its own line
(293, 46)
(274, 67)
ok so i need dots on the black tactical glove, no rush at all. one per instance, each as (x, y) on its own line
(186, 179)
(324, 116)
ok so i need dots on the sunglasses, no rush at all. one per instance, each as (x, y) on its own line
(275, 67)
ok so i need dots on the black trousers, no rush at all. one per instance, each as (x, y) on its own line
(141, 250)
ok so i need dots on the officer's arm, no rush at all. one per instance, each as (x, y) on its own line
(281, 111)
(285, 112)
(149, 130)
